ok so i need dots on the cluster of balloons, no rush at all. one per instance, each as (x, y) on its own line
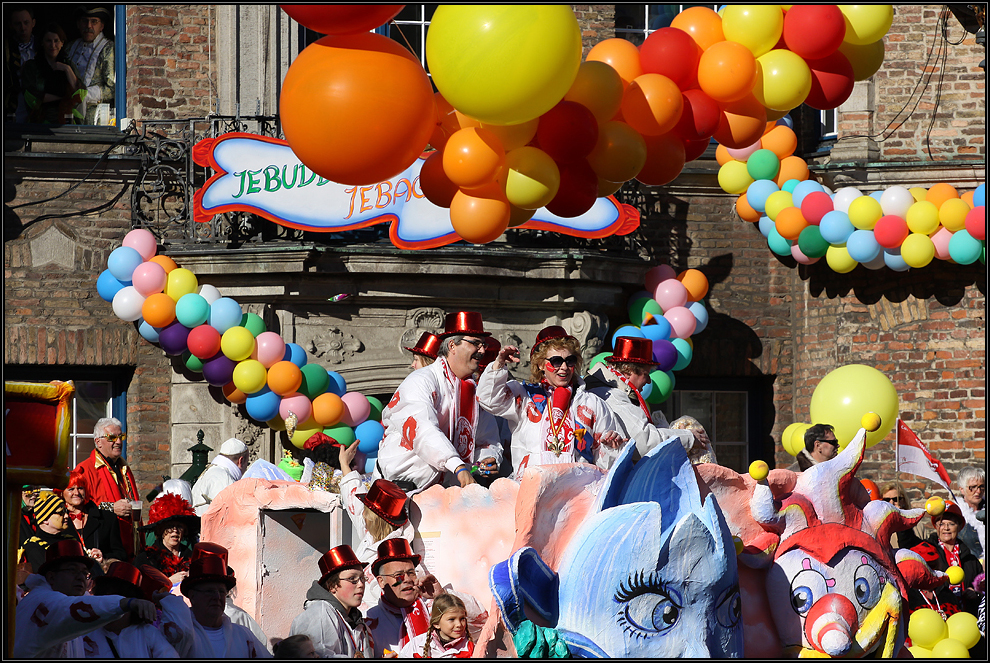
(841, 399)
(934, 637)
(233, 349)
(898, 228)
(668, 312)
(771, 158)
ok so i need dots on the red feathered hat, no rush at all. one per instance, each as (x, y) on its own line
(170, 507)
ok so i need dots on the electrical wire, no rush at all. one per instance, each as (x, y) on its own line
(944, 49)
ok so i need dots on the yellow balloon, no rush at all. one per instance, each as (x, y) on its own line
(783, 80)
(277, 424)
(787, 436)
(839, 260)
(920, 652)
(935, 506)
(734, 177)
(866, 24)
(532, 178)
(180, 282)
(865, 60)
(846, 394)
(949, 648)
(250, 375)
(919, 193)
(952, 214)
(926, 627)
(237, 344)
(864, 212)
(962, 627)
(917, 250)
(757, 27)
(922, 217)
(955, 574)
(299, 438)
(504, 64)
(870, 421)
(759, 470)
(597, 87)
(777, 201)
(620, 152)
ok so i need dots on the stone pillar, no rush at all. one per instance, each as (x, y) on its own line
(856, 124)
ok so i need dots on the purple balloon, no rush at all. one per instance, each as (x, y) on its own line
(219, 369)
(173, 338)
(665, 354)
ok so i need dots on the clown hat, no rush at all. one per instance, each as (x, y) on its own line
(549, 334)
(467, 323)
(629, 350)
(387, 500)
(394, 550)
(339, 559)
(427, 345)
(65, 550)
(210, 568)
(169, 508)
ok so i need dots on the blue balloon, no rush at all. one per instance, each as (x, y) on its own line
(684, 354)
(803, 189)
(338, 385)
(876, 195)
(627, 330)
(789, 186)
(836, 227)
(107, 285)
(122, 262)
(765, 225)
(369, 465)
(784, 121)
(148, 332)
(700, 314)
(758, 192)
(224, 314)
(863, 246)
(657, 332)
(295, 353)
(980, 196)
(263, 405)
(892, 258)
(370, 434)
(778, 244)
(646, 390)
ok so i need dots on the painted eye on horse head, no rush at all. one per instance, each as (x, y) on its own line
(729, 609)
(650, 608)
(807, 587)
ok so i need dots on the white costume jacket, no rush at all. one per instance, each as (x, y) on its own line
(428, 431)
(332, 636)
(190, 640)
(220, 474)
(460, 648)
(537, 441)
(135, 641)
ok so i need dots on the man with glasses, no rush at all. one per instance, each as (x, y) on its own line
(401, 613)
(972, 483)
(434, 429)
(819, 445)
(110, 480)
(330, 615)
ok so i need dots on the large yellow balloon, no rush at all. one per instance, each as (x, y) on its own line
(846, 394)
(926, 627)
(949, 648)
(734, 178)
(503, 64)
(866, 24)
(783, 80)
(757, 27)
(180, 282)
(918, 250)
(250, 376)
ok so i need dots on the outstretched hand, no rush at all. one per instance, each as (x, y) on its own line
(506, 354)
(347, 455)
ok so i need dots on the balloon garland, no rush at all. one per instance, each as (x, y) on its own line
(234, 350)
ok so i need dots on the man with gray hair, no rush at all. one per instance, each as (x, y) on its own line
(225, 469)
(972, 483)
(111, 483)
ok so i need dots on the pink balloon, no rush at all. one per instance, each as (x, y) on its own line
(671, 294)
(149, 278)
(682, 321)
(744, 153)
(941, 242)
(269, 348)
(300, 406)
(800, 257)
(356, 408)
(143, 242)
(657, 275)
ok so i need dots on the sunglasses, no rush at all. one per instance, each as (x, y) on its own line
(834, 443)
(892, 500)
(556, 362)
(113, 438)
(477, 343)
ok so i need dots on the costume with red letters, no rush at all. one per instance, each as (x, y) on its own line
(459, 648)
(108, 485)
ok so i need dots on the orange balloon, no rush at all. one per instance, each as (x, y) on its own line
(872, 489)
(695, 282)
(941, 192)
(328, 409)
(233, 394)
(357, 109)
(780, 140)
(664, 159)
(598, 87)
(513, 136)
(167, 263)
(436, 186)
(622, 55)
(742, 122)
(652, 104)
(790, 222)
(619, 154)
(479, 216)
(727, 72)
(156, 311)
(445, 122)
(791, 168)
(702, 23)
(722, 155)
(473, 157)
(466, 121)
(968, 198)
(745, 210)
(284, 378)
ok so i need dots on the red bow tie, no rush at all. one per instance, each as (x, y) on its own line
(77, 516)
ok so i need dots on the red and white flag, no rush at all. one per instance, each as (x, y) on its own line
(914, 458)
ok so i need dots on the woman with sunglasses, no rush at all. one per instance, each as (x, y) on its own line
(893, 493)
(553, 419)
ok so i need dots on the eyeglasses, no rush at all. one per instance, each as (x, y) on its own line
(355, 580)
(400, 576)
(113, 438)
(977, 487)
(892, 500)
(557, 361)
(476, 343)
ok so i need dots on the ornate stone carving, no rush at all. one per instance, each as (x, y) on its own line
(590, 330)
(250, 434)
(334, 346)
(426, 318)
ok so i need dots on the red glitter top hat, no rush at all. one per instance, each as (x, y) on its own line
(427, 345)
(120, 573)
(65, 550)
(153, 581)
(339, 559)
(394, 550)
(548, 334)
(467, 323)
(629, 350)
(387, 500)
(210, 568)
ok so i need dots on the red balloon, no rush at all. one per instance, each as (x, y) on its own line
(672, 53)
(665, 158)
(976, 222)
(341, 19)
(567, 132)
(203, 341)
(700, 117)
(815, 206)
(578, 189)
(832, 81)
(693, 149)
(890, 231)
(814, 31)
(436, 186)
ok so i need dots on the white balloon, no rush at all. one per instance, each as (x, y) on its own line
(876, 263)
(127, 304)
(896, 200)
(209, 293)
(828, 190)
(844, 197)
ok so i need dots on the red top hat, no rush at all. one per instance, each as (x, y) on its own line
(65, 550)
(387, 500)
(394, 550)
(548, 334)
(339, 559)
(153, 581)
(491, 353)
(629, 350)
(121, 572)
(464, 322)
(317, 439)
(208, 549)
(209, 568)
(427, 345)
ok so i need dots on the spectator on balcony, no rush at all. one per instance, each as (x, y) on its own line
(20, 48)
(92, 54)
(50, 82)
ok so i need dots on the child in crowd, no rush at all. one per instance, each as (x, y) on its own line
(295, 646)
(448, 635)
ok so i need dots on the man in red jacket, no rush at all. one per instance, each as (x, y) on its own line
(111, 483)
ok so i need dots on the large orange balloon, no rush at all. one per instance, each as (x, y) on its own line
(473, 157)
(598, 87)
(781, 140)
(481, 215)
(664, 159)
(652, 104)
(695, 282)
(357, 109)
(790, 222)
(727, 72)
(167, 263)
(742, 123)
(328, 409)
(722, 155)
(622, 55)
(937, 195)
(745, 210)
(436, 186)
(158, 310)
(792, 168)
(702, 23)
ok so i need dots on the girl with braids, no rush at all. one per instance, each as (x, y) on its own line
(448, 635)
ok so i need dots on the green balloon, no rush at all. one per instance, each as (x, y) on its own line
(192, 362)
(778, 244)
(342, 433)
(315, 381)
(684, 353)
(763, 165)
(811, 242)
(253, 323)
(650, 308)
(663, 386)
(598, 359)
(376, 408)
(636, 307)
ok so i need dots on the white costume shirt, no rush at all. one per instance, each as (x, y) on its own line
(425, 434)
(50, 624)
(331, 635)
(220, 474)
(414, 649)
(240, 616)
(136, 641)
(531, 429)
